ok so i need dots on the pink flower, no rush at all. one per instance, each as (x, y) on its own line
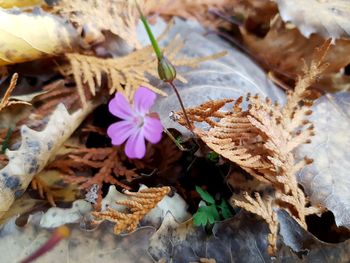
(136, 124)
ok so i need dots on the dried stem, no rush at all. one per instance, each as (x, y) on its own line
(171, 83)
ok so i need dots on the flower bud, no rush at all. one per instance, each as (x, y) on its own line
(166, 71)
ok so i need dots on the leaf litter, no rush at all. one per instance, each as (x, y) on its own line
(227, 150)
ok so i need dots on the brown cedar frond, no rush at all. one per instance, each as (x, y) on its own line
(118, 16)
(311, 72)
(106, 160)
(126, 74)
(43, 190)
(55, 94)
(205, 112)
(262, 138)
(263, 209)
(5, 101)
(139, 205)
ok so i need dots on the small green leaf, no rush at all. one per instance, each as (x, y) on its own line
(213, 156)
(205, 215)
(5, 143)
(205, 195)
(225, 209)
(200, 219)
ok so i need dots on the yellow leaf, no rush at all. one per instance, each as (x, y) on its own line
(20, 3)
(29, 36)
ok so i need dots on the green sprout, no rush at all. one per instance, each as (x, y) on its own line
(213, 156)
(211, 212)
(5, 143)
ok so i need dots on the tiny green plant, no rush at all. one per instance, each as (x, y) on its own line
(5, 143)
(211, 212)
(213, 156)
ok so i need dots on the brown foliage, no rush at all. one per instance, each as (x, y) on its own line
(139, 205)
(56, 93)
(119, 17)
(286, 64)
(262, 138)
(126, 74)
(264, 210)
(5, 101)
(107, 161)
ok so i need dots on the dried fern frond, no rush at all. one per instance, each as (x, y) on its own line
(310, 75)
(126, 74)
(106, 160)
(265, 211)
(262, 138)
(5, 101)
(55, 94)
(118, 16)
(205, 112)
(139, 205)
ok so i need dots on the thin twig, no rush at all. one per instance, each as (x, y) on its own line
(182, 106)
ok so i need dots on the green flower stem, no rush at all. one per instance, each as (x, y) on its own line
(150, 34)
(167, 70)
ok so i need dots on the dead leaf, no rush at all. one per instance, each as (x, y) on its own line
(328, 18)
(20, 3)
(55, 216)
(30, 36)
(98, 246)
(327, 180)
(35, 151)
(267, 51)
(240, 239)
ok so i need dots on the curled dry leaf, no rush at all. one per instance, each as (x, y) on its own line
(267, 51)
(328, 18)
(327, 180)
(49, 36)
(35, 151)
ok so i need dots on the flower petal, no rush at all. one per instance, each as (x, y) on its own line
(120, 131)
(120, 107)
(152, 129)
(135, 146)
(144, 99)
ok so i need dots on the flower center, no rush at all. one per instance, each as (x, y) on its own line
(138, 120)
